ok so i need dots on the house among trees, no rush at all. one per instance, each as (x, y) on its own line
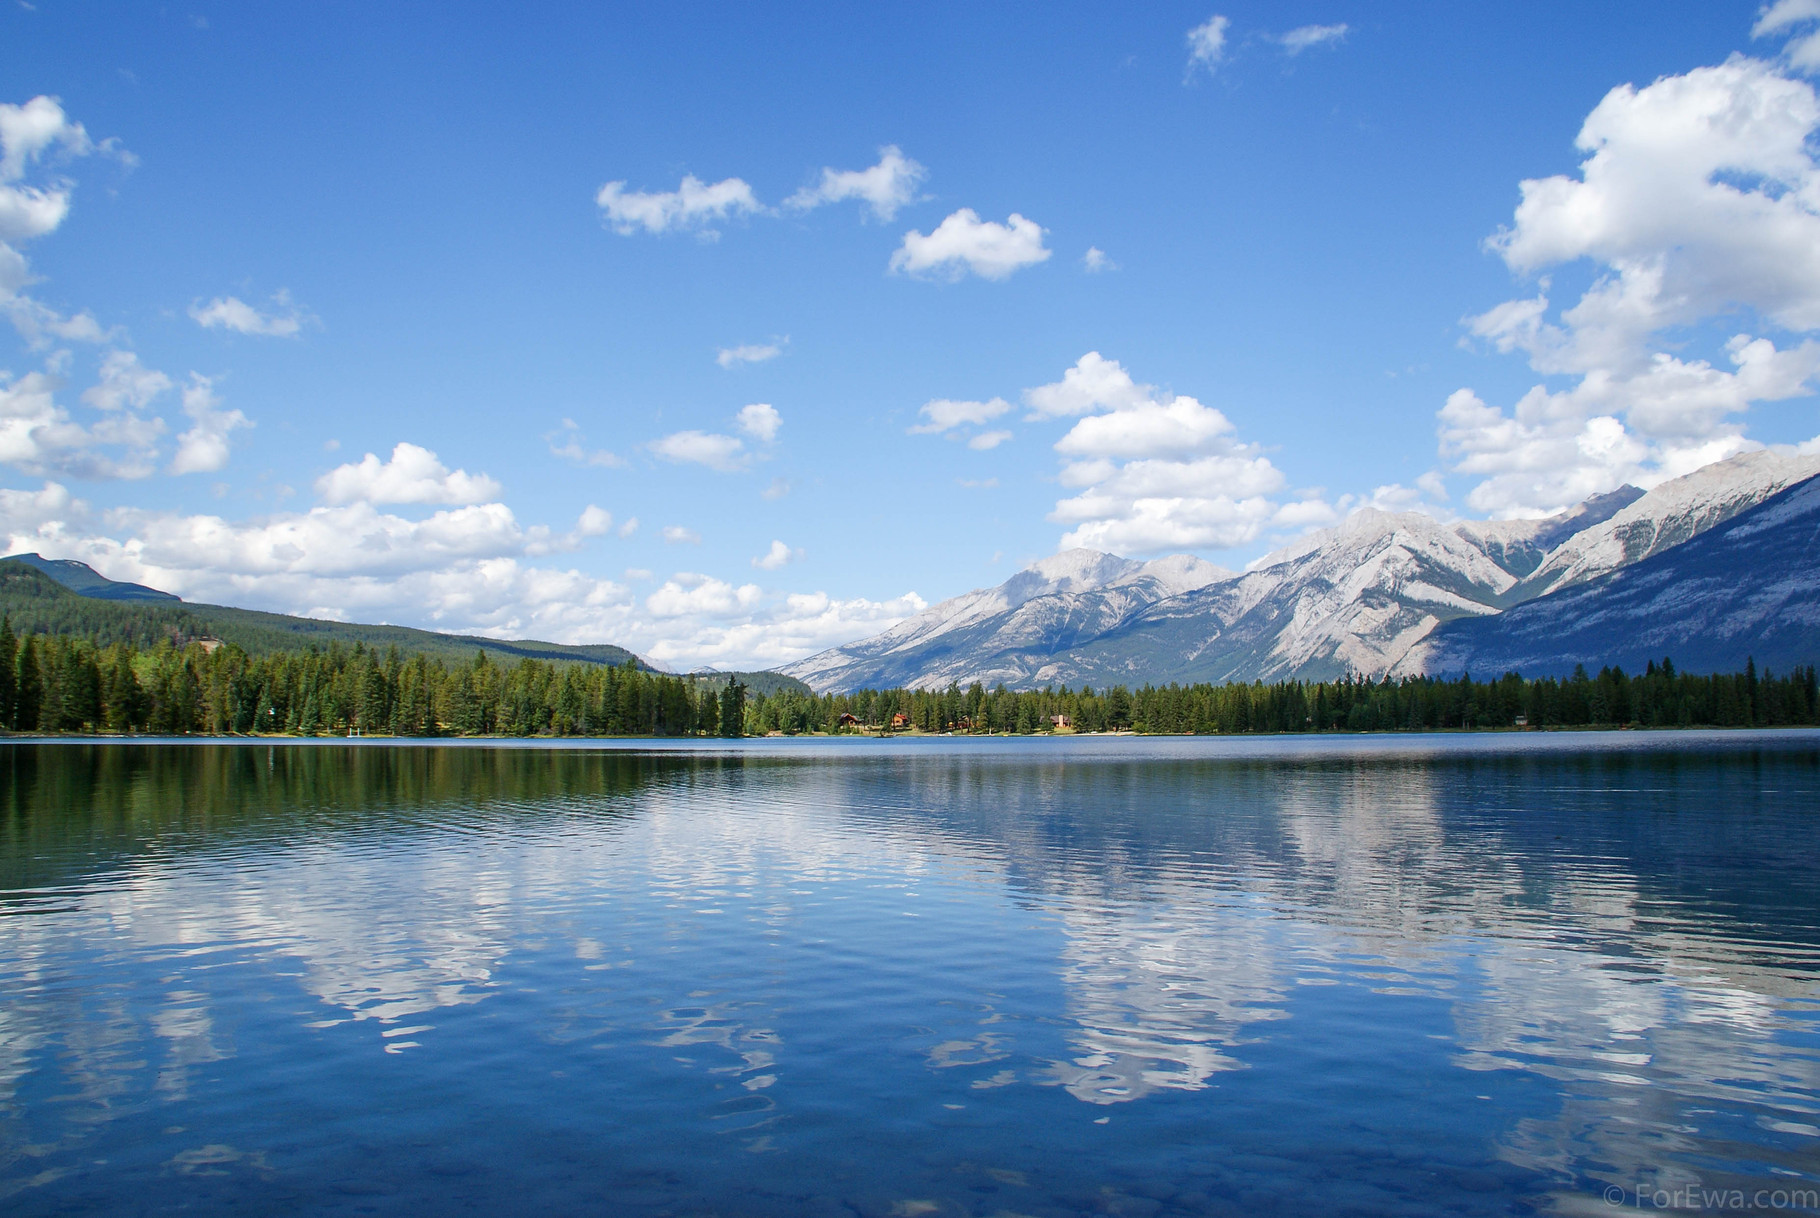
(1060, 721)
(847, 719)
(899, 720)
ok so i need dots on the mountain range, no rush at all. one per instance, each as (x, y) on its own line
(1398, 594)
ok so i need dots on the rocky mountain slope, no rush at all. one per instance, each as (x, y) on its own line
(1746, 589)
(1361, 597)
(985, 634)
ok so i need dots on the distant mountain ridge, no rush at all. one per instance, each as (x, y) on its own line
(38, 600)
(84, 580)
(1073, 595)
(1358, 598)
(1747, 589)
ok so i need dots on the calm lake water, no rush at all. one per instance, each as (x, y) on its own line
(1364, 975)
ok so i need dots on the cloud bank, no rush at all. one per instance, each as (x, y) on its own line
(1698, 205)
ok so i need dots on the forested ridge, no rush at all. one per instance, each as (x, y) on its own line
(38, 604)
(65, 683)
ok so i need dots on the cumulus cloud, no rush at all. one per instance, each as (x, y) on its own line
(677, 535)
(1303, 37)
(716, 451)
(756, 353)
(777, 557)
(471, 569)
(687, 594)
(1207, 45)
(30, 134)
(27, 133)
(465, 569)
(1093, 383)
(1095, 260)
(694, 204)
(964, 243)
(1698, 201)
(1786, 16)
(568, 443)
(232, 313)
(412, 474)
(125, 384)
(727, 454)
(988, 440)
(203, 449)
(1154, 471)
(38, 436)
(760, 421)
(887, 186)
(945, 414)
(594, 522)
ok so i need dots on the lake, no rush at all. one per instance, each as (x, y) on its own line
(1488, 974)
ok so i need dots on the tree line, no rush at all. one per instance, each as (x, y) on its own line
(58, 683)
(55, 683)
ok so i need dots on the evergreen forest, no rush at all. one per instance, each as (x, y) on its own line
(66, 683)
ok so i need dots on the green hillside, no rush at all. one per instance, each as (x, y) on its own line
(36, 603)
(83, 579)
(759, 684)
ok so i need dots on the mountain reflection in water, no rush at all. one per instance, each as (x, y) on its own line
(1459, 974)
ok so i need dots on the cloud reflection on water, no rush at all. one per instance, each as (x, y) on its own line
(1186, 910)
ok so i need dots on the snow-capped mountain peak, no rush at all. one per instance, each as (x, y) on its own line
(1359, 597)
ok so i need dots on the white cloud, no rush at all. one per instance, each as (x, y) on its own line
(943, 414)
(766, 631)
(886, 187)
(1207, 44)
(760, 421)
(629, 527)
(232, 313)
(727, 454)
(1154, 471)
(687, 594)
(1698, 201)
(463, 569)
(718, 452)
(1803, 51)
(677, 535)
(1093, 383)
(727, 357)
(777, 490)
(963, 242)
(27, 134)
(594, 522)
(1303, 37)
(125, 384)
(413, 474)
(988, 440)
(28, 131)
(1148, 429)
(1095, 260)
(40, 514)
(777, 557)
(573, 447)
(693, 204)
(38, 436)
(203, 449)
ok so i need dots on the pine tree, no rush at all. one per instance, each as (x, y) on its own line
(29, 689)
(733, 709)
(9, 673)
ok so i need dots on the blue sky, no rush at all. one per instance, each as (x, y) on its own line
(288, 236)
